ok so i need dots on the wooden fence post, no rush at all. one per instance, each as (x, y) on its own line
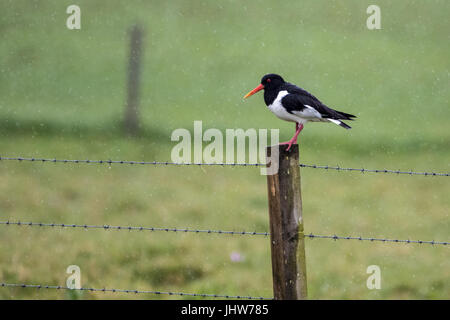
(286, 226)
(131, 113)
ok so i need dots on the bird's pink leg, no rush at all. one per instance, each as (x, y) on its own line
(298, 128)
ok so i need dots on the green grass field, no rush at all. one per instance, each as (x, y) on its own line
(62, 94)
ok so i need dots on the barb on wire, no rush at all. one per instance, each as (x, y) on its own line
(203, 295)
(335, 237)
(168, 163)
(132, 228)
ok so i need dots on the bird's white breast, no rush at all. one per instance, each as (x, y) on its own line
(277, 108)
(307, 114)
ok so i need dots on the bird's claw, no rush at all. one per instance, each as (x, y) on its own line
(288, 143)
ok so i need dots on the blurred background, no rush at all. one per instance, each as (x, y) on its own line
(63, 95)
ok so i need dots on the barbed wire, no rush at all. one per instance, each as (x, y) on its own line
(203, 295)
(335, 237)
(362, 170)
(132, 228)
(169, 163)
(185, 230)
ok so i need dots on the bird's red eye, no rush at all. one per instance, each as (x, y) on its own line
(268, 80)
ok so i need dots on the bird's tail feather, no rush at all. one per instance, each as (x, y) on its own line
(347, 116)
(340, 123)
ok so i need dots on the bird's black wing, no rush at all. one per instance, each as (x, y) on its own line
(298, 99)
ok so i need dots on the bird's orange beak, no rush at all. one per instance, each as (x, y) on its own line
(258, 88)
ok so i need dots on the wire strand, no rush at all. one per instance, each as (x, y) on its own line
(133, 228)
(168, 163)
(185, 230)
(204, 295)
(335, 237)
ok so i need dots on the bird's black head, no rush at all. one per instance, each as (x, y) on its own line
(269, 82)
(272, 81)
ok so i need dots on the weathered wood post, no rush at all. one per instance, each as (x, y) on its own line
(131, 123)
(286, 226)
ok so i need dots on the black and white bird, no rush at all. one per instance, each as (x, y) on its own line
(291, 103)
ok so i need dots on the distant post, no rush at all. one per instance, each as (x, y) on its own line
(131, 123)
(286, 226)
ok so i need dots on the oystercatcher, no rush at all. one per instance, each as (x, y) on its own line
(291, 103)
